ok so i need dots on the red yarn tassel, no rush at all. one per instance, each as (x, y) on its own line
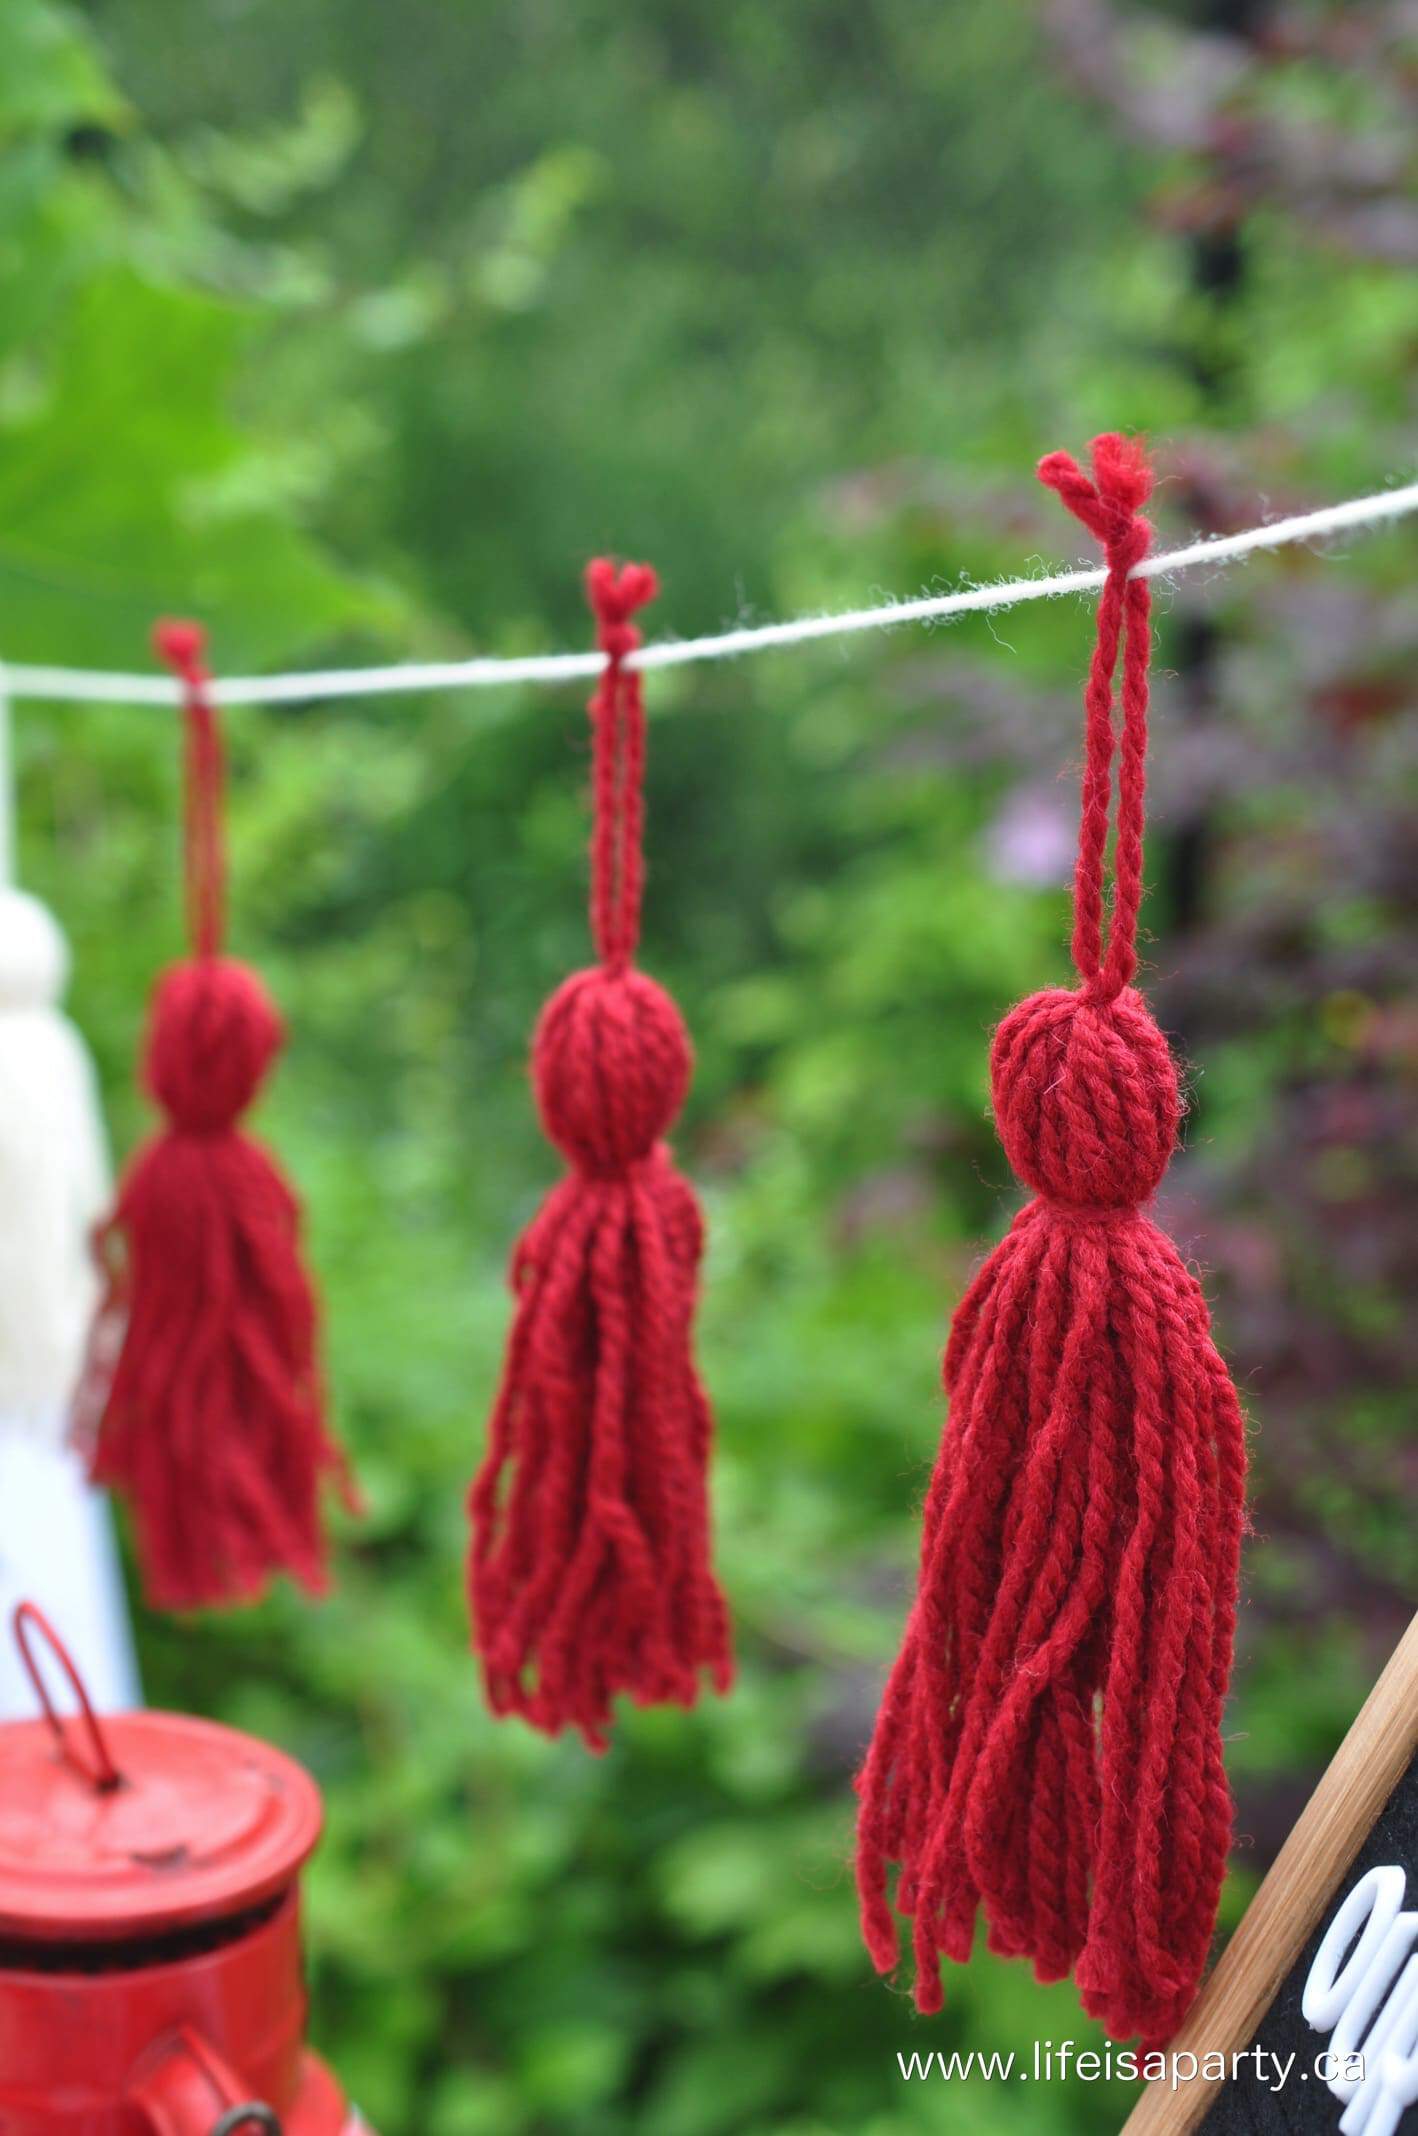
(1048, 1750)
(590, 1567)
(211, 1415)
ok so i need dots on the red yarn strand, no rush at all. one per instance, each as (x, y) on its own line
(183, 647)
(1109, 508)
(1048, 1748)
(203, 1372)
(589, 1564)
(617, 712)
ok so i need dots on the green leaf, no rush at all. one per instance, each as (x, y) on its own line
(112, 509)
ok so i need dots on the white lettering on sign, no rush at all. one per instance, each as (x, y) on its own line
(1369, 2004)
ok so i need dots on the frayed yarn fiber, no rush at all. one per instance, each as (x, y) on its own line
(589, 1571)
(1048, 1749)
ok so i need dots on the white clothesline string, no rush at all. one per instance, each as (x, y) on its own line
(83, 685)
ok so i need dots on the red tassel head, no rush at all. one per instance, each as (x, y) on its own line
(1085, 1098)
(203, 1370)
(589, 1571)
(611, 1063)
(212, 1034)
(1048, 1750)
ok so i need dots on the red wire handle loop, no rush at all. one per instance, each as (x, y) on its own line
(184, 648)
(618, 753)
(1110, 507)
(103, 1772)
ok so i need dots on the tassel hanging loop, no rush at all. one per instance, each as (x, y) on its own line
(183, 646)
(618, 731)
(1110, 507)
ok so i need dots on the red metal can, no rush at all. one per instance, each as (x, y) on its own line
(150, 1960)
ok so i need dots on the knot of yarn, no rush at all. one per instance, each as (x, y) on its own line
(1086, 1098)
(213, 1032)
(34, 957)
(611, 1062)
(183, 646)
(615, 597)
(1110, 506)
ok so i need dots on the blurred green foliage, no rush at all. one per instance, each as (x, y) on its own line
(355, 329)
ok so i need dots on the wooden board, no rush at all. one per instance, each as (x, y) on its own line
(1263, 1967)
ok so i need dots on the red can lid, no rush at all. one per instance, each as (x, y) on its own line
(152, 1821)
